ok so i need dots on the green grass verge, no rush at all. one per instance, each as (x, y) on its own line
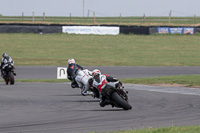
(185, 129)
(184, 80)
(96, 50)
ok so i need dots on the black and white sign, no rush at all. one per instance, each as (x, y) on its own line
(61, 72)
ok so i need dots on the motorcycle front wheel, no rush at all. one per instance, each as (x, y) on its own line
(11, 79)
(121, 102)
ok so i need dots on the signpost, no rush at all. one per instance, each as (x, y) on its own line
(61, 72)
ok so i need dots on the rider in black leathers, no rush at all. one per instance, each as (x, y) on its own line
(71, 72)
(4, 61)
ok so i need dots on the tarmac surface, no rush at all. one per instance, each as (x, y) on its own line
(57, 108)
(50, 72)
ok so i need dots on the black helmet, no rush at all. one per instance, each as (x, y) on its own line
(4, 54)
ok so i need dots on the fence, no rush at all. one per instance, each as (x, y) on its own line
(104, 20)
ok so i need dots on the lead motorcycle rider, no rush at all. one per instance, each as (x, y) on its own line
(4, 62)
(99, 80)
(79, 77)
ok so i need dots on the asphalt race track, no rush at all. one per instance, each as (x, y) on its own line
(50, 72)
(57, 108)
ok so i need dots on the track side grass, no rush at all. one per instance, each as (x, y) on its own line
(96, 50)
(174, 129)
(183, 80)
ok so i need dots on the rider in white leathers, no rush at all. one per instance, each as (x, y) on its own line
(79, 77)
(82, 78)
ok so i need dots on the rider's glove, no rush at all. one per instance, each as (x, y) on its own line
(120, 83)
(117, 85)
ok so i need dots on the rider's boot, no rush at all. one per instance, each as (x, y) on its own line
(3, 73)
(86, 93)
(104, 102)
(74, 84)
(14, 73)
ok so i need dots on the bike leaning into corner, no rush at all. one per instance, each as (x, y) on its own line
(80, 77)
(110, 91)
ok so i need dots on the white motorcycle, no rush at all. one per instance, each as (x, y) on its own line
(83, 79)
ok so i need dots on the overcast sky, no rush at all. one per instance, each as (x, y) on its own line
(102, 8)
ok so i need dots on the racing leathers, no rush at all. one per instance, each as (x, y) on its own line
(99, 84)
(71, 73)
(4, 63)
(79, 77)
(82, 78)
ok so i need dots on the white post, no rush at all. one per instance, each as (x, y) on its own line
(88, 13)
(33, 16)
(120, 18)
(144, 18)
(170, 13)
(70, 17)
(94, 17)
(43, 16)
(194, 19)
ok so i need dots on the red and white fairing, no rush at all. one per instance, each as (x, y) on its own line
(101, 83)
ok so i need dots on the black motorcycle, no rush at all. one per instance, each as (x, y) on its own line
(8, 75)
(117, 96)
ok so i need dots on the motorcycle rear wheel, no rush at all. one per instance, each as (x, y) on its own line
(121, 102)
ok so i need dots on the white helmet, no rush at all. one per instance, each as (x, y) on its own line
(96, 72)
(96, 75)
(71, 61)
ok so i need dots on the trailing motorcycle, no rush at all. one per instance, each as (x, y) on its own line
(116, 95)
(8, 75)
(81, 80)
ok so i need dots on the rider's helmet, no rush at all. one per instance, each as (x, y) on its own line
(4, 54)
(71, 61)
(96, 75)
